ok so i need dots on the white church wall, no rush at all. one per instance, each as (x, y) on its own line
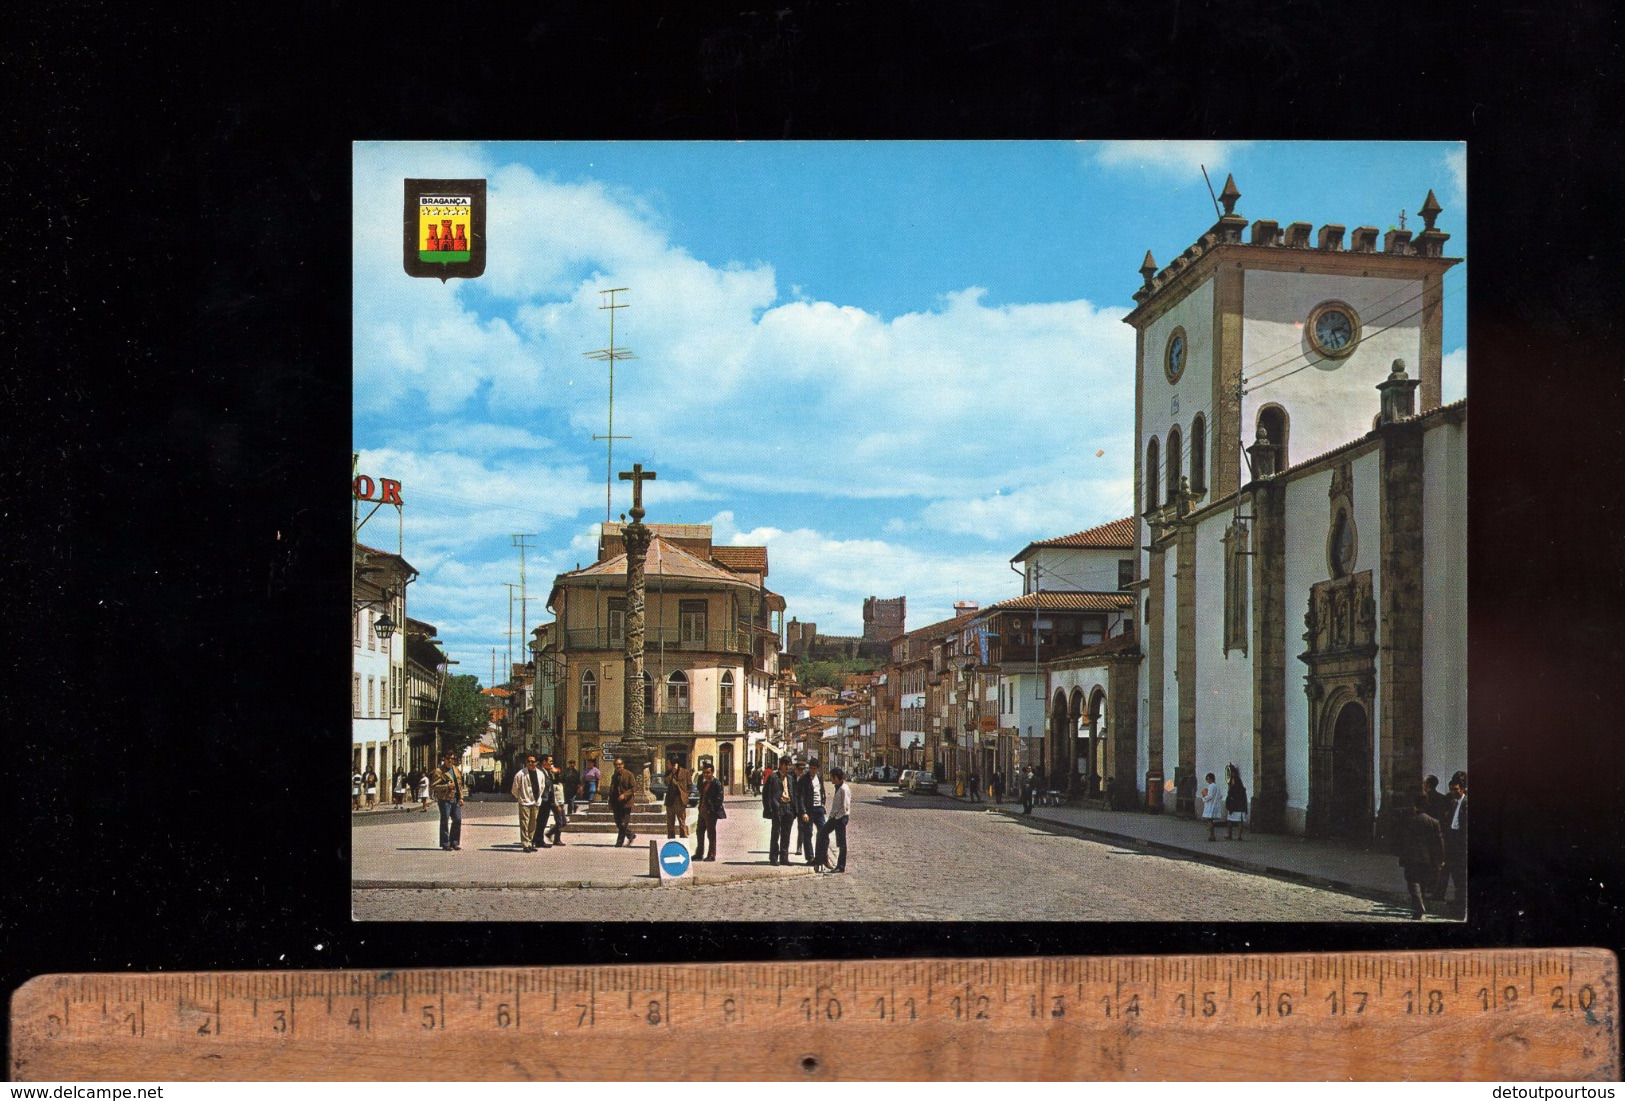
(1305, 543)
(1334, 400)
(1444, 608)
(1194, 391)
(1224, 682)
(1170, 655)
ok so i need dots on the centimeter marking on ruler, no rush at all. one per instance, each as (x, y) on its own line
(1266, 991)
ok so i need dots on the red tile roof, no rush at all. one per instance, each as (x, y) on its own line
(1064, 602)
(1119, 535)
(1125, 643)
(749, 559)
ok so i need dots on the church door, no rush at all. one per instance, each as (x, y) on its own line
(1351, 774)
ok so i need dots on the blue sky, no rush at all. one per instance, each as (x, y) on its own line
(893, 363)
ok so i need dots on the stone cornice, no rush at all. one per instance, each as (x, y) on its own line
(1187, 272)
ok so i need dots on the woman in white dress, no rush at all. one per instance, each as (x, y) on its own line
(1212, 796)
(423, 791)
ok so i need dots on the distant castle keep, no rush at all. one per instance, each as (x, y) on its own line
(882, 622)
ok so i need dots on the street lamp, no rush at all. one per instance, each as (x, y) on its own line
(385, 626)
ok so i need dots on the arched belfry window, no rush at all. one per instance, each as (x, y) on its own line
(1199, 455)
(1273, 420)
(1153, 475)
(1175, 463)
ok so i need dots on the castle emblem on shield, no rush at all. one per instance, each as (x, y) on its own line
(444, 228)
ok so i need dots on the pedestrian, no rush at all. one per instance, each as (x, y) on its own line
(559, 821)
(589, 780)
(1235, 803)
(998, 786)
(549, 799)
(711, 809)
(677, 779)
(528, 789)
(1211, 803)
(622, 790)
(1439, 805)
(1421, 853)
(397, 788)
(975, 787)
(449, 787)
(1029, 790)
(840, 812)
(423, 791)
(369, 784)
(571, 779)
(808, 801)
(355, 790)
(1454, 829)
(778, 806)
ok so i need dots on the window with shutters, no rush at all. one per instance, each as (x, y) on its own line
(617, 620)
(691, 620)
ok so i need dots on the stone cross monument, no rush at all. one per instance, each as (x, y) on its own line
(634, 749)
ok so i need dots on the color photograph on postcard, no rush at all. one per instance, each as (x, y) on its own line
(909, 531)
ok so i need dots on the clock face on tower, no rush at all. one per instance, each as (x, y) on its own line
(1333, 329)
(1173, 364)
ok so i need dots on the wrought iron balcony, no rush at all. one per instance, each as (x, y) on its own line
(674, 722)
(587, 720)
(727, 722)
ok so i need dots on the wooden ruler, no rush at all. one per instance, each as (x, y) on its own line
(1475, 1015)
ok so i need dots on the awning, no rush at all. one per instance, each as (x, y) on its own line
(778, 749)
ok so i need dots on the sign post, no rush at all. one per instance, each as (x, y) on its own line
(669, 859)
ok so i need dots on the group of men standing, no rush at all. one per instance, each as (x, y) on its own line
(796, 795)
(542, 793)
(1432, 845)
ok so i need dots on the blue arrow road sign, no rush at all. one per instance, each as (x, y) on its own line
(674, 858)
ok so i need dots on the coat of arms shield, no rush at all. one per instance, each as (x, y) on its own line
(443, 224)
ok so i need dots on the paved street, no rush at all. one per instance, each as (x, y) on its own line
(920, 858)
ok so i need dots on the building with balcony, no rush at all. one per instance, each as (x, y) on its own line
(378, 664)
(710, 656)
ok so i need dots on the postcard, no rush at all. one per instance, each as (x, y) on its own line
(909, 531)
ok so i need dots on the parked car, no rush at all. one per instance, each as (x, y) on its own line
(922, 783)
(903, 779)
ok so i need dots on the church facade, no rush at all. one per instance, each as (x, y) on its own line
(1301, 533)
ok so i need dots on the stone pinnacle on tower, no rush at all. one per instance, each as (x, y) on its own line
(1149, 268)
(1430, 209)
(1229, 195)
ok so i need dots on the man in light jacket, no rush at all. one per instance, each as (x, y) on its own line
(530, 786)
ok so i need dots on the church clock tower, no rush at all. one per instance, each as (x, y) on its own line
(1261, 326)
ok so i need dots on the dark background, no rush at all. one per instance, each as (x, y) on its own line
(176, 388)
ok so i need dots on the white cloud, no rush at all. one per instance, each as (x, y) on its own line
(1034, 511)
(981, 388)
(1453, 384)
(824, 580)
(1180, 158)
(1456, 161)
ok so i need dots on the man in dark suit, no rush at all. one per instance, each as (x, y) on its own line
(544, 810)
(623, 789)
(808, 800)
(1421, 853)
(1454, 828)
(710, 810)
(778, 802)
